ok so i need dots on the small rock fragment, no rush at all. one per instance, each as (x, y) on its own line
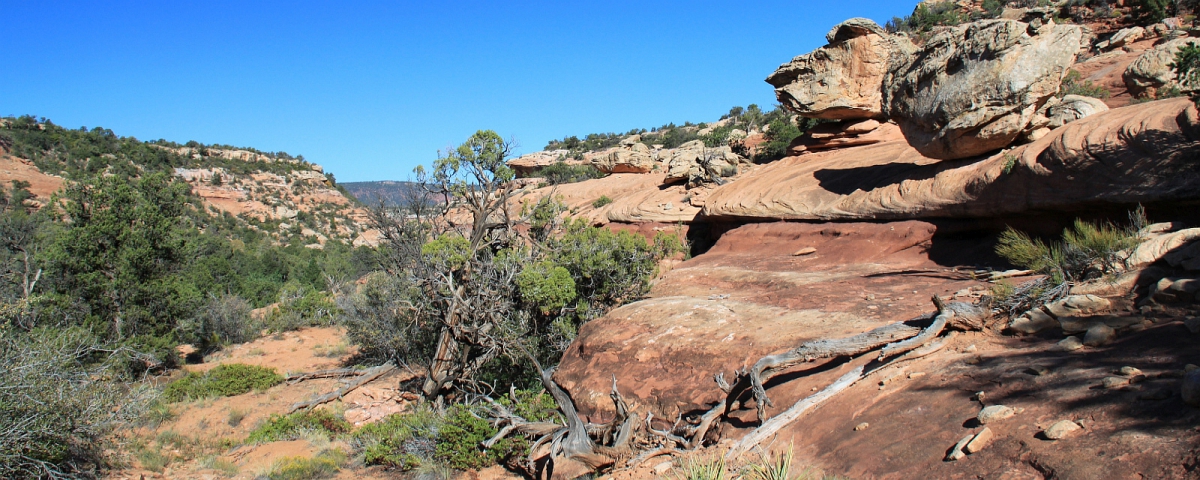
(916, 374)
(805, 251)
(862, 426)
(1037, 370)
(1115, 382)
(995, 413)
(1190, 390)
(957, 452)
(970, 348)
(1192, 324)
(1070, 344)
(1130, 371)
(1099, 335)
(981, 440)
(663, 468)
(1061, 429)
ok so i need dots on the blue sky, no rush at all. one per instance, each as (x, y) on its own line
(372, 89)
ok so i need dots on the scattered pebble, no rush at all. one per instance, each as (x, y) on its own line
(805, 251)
(1070, 344)
(1130, 371)
(862, 426)
(957, 452)
(979, 396)
(1061, 429)
(663, 468)
(995, 413)
(916, 374)
(970, 348)
(1038, 370)
(981, 440)
(1115, 382)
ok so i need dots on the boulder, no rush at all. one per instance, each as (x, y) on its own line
(974, 88)
(1141, 153)
(1072, 108)
(1099, 335)
(1159, 247)
(1061, 429)
(698, 164)
(1152, 70)
(1076, 305)
(529, 164)
(631, 156)
(1125, 36)
(995, 413)
(841, 80)
(1032, 322)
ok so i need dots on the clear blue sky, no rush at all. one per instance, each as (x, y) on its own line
(371, 89)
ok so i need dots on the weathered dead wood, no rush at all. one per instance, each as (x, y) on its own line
(772, 365)
(773, 425)
(916, 346)
(333, 373)
(371, 375)
(1009, 274)
(933, 330)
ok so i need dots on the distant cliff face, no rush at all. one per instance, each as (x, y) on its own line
(390, 192)
(302, 199)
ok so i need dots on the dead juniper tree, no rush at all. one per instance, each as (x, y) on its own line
(453, 252)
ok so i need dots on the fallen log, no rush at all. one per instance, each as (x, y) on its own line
(370, 375)
(777, 422)
(333, 373)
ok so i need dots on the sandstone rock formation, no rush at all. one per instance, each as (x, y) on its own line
(746, 297)
(975, 88)
(844, 79)
(632, 156)
(696, 163)
(527, 164)
(1152, 71)
(1134, 154)
(1071, 108)
(850, 134)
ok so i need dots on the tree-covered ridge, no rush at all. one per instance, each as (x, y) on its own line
(778, 126)
(276, 193)
(80, 153)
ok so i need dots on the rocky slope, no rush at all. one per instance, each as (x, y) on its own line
(941, 141)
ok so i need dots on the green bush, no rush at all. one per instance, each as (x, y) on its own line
(325, 465)
(1074, 84)
(927, 16)
(222, 381)
(301, 306)
(221, 321)
(602, 201)
(561, 172)
(460, 437)
(290, 427)
(59, 404)
(403, 441)
(1086, 251)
